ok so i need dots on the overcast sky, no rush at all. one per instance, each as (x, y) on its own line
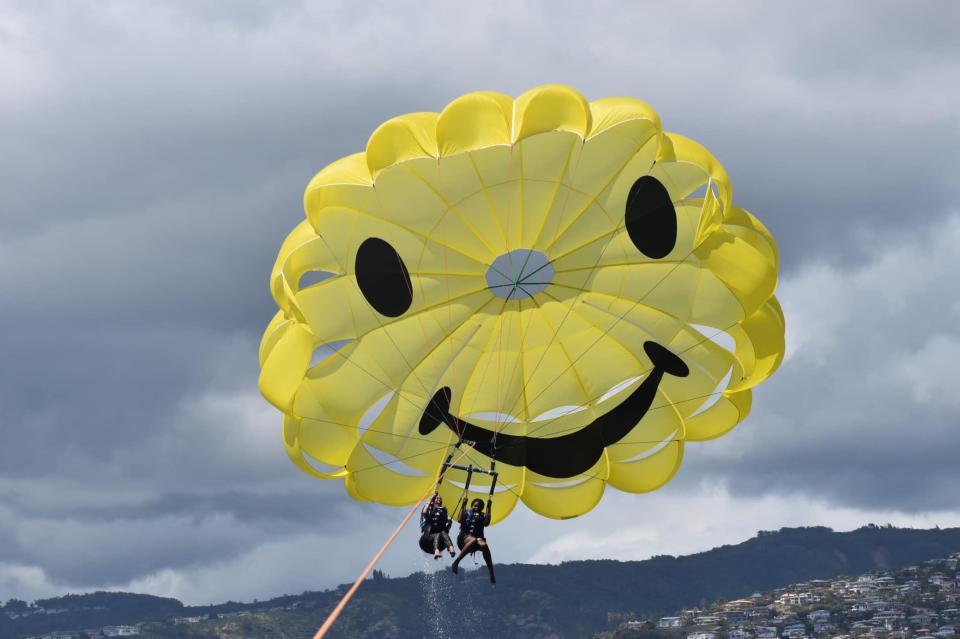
(153, 155)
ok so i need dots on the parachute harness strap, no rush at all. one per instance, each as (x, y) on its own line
(493, 470)
(470, 469)
(466, 490)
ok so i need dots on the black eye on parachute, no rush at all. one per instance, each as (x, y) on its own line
(383, 278)
(650, 218)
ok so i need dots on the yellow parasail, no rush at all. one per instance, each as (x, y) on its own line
(560, 283)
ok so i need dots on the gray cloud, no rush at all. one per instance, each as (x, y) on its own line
(863, 411)
(155, 156)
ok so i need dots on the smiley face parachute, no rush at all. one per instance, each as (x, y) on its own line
(560, 284)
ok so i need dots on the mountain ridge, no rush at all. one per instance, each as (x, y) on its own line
(570, 599)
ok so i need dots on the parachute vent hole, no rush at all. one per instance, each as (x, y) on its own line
(312, 278)
(651, 452)
(318, 465)
(326, 351)
(698, 193)
(570, 483)
(720, 337)
(490, 416)
(374, 412)
(616, 389)
(715, 395)
(559, 411)
(394, 463)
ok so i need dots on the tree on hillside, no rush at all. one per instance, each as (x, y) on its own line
(16, 605)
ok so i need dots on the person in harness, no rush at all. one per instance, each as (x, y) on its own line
(471, 537)
(435, 524)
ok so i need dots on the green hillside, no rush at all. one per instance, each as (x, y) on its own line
(573, 599)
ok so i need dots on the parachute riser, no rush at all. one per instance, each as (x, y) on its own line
(470, 469)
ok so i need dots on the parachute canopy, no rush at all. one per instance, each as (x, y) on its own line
(560, 282)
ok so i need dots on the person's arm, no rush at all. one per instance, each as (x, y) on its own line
(486, 520)
(463, 514)
(427, 506)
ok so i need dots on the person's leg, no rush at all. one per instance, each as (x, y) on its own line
(445, 539)
(487, 558)
(435, 537)
(468, 544)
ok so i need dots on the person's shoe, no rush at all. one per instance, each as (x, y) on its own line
(452, 553)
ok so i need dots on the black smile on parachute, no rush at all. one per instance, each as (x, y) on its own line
(518, 257)
(568, 455)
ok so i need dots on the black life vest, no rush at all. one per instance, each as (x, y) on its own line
(436, 520)
(473, 523)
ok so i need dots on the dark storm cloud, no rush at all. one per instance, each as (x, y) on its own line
(147, 534)
(155, 156)
(274, 510)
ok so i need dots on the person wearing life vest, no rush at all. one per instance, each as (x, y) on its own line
(471, 537)
(435, 522)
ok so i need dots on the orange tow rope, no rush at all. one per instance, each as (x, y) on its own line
(373, 562)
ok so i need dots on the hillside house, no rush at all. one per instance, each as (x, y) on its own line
(921, 619)
(942, 581)
(789, 599)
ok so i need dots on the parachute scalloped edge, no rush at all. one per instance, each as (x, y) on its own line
(559, 181)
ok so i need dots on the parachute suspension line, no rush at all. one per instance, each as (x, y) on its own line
(563, 211)
(605, 332)
(412, 368)
(465, 494)
(667, 404)
(470, 469)
(609, 328)
(502, 417)
(546, 423)
(332, 618)
(657, 407)
(493, 475)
